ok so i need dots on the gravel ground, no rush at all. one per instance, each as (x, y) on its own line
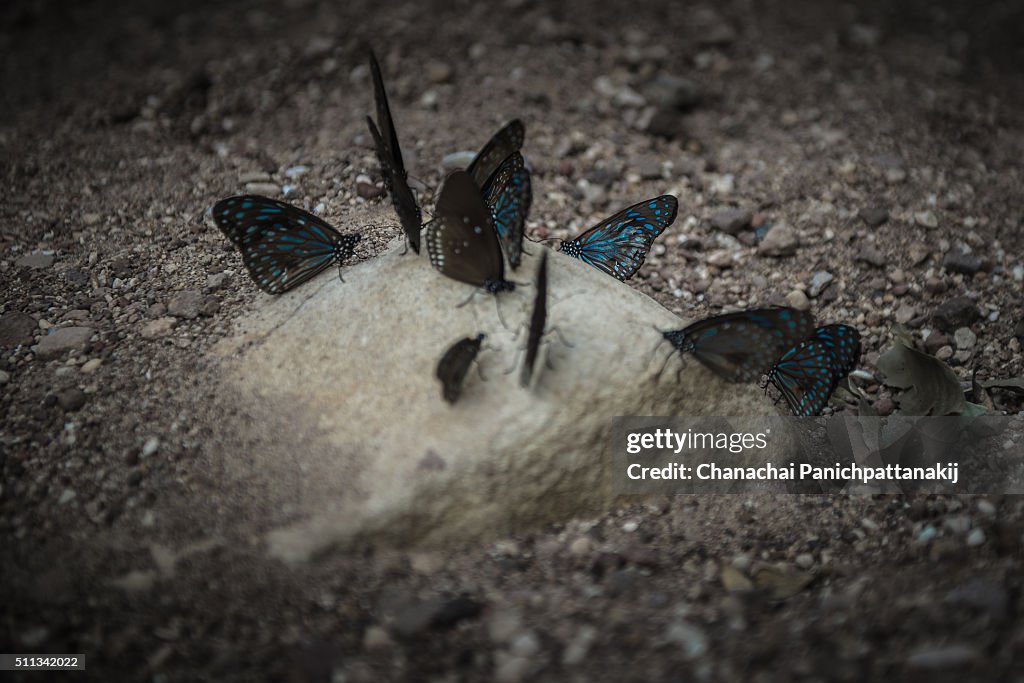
(865, 163)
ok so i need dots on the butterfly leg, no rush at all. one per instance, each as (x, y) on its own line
(470, 298)
(497, 308)
(558, 333)
(515, 362)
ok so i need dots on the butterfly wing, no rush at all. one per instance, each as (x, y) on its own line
(282, 246)
(461, 240)
(807, 374)
(501, 146)
(743, 346)
(538, 319)
(510, 199)
(619, 245)
(402, 198)
(454, 366)
(387, 126)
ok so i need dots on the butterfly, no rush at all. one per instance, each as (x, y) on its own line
(454, 365)
(509, 197)
(501, 146)
(282, 246)
(618, 245)
(537, 321)
(461, 240)
(742, 346)
(389, 154)
(807, 374)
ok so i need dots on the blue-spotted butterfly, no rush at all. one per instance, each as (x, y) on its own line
(742, 346)
(389, 154)
(503, 144)
(510, 196)
(461, 240)
(454, 365)
(619, 245)
(282, 246)
(807, 374)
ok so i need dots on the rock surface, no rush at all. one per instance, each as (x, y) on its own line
(16, 328)
(58, 342)
(337, 379)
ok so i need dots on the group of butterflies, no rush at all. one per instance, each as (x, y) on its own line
(805, 363)
(480, 221)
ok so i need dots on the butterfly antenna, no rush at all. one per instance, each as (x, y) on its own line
(339, 271)
(542, 241)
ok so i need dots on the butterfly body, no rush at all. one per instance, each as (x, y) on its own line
(461, 240)
(743, 346)
(618, 245)
(538, 320)
(454, 366)
(807, 374)
(282, 246)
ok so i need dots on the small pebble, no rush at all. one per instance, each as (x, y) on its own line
(90, 366)
(964, 338)
(819, 282)
(150, 447)
(986, 507)
(798, 300)
(780, 240)
(926, 219)
(581, 546)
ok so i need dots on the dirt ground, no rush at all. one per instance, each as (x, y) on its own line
(878, 145)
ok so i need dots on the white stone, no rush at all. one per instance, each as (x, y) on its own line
(336, 382)
(90, 366)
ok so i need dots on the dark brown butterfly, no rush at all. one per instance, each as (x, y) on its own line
(501, 146)
(461, 240)
(389, 154)
(538, 319)
(454, 365)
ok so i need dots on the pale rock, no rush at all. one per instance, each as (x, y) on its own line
(926, 219)
(59, 342)
(187, 304)
(342, 374)
(34, 261)
(377, 638)
(781, 240)
(964, 338)
(16, 328)
(266, 189)
(581, 546)
(161, 327)
(90, 366)
(798, 300)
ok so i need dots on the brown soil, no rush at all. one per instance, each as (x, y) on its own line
(123, 122)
